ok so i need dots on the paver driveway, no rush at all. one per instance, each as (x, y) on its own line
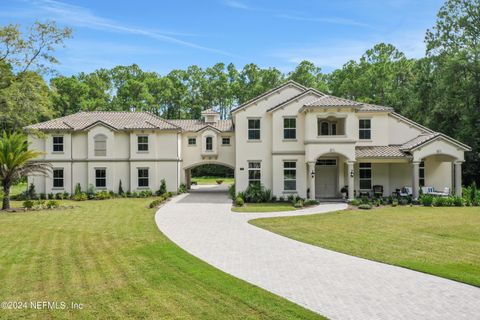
(333, 284)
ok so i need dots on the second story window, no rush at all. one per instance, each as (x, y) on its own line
(226, 141)
(253, 129)
(192, 141)
(209, 143)
(289, 128)
(57, 143)
(365, 129)
(100, 145)
(142, 143)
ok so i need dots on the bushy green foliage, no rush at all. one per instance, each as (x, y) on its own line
(365, 206)
(28, 204)
(458, 201)
(239, 201)
(231, 191)
(78, 189)
(310, 202)
(102, 195)
(426, 200)
(394, 202)
(182, 188)
(255, 194)
(155, 203)
(355, 202)
(59, 196)
(82, 196)
(31, 193)
(52, 204)
(163, 188)
(298, 204)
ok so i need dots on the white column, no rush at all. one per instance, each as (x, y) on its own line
(415, 179)
(311, 179)
(188, 178)
(351, 180)
(458, 178)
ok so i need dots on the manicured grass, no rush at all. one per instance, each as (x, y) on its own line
(109, 256)
(439, 241)
(264, 207)
(212, 180)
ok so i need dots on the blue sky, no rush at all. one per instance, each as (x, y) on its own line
(164, 35)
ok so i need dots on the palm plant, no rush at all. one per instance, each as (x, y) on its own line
(16, 163)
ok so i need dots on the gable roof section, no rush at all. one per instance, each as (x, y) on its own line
(190, 125)
(286, 84)
(298, 96)
(113, 119)
(425, 139)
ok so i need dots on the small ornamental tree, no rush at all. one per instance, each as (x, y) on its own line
(120, 189)
(163, 188)
(16, 163)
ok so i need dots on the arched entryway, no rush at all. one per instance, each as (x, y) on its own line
(209, 173)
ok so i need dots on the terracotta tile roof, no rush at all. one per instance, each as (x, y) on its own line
(391, 151)
(331, 101)
(114, 119)
(418, 140)
(196, 125)
(366, 107)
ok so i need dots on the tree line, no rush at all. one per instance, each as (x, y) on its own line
(440, 90)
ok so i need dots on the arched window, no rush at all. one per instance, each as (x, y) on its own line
(100, 145)
(209, 143)
(324, 129)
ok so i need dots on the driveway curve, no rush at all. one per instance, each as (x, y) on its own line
(333, 284)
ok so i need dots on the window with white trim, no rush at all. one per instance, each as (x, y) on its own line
(57, 143)
(209, 143)
(58, 178)
(289, 128)
(143, 177)
(142, 143)
(365, 171)
(253, 129)
(289, 176)
(100, 177)
(421, 174)
(192, 141)
(254, 173)
(100, 145)
(364, 129)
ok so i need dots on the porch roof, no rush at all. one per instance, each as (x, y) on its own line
(391, 151)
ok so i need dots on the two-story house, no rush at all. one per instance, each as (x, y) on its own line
(292, 140)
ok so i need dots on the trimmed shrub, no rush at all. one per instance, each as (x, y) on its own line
(281, 199)
(182, 188)
(311, 202)
(28, 204)
(365, 206)
(394, 202)
(441, 202)
(231, 191)
(426, 200)
(458, 201)
(66, 195)
(82, 196)
(163, 188)
(59, 196)
(219, 181)
(78, 189)
(31, 193)
(120, 188)
(43, 196)
(299, 203)
(51, 196)
(155, 203)
(355, 202)
(102, 195)
(256, 194)
(52, 204)
(239, 201)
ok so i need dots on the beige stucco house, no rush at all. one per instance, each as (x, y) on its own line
(292, 140)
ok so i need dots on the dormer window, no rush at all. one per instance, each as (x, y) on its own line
(100, 145)
(142, 143)
(57, 144)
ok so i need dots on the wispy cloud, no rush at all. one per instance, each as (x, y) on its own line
(281, 15)
(331, 20)
(83, 17)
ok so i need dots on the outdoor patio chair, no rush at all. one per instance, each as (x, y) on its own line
(405, 192)
(428, 190)
(378, 191)
(444, 193)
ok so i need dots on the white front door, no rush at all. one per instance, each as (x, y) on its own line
(325, 181)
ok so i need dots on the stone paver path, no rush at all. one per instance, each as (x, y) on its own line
(333, 284)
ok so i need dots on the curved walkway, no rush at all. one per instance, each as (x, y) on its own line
(333, 284)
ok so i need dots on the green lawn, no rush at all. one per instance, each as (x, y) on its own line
(264, 207)
(439, 241)
(212, 180)
(110, 257)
